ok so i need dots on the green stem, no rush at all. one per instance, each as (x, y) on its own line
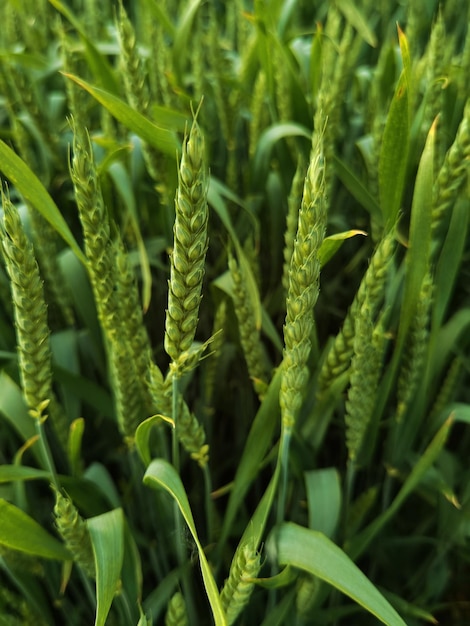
(209, 504)
(46, 451)
(181, 550)
(283, 461)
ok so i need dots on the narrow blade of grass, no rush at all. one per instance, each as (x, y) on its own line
(357, 20)
(394, 154)
(34, 192)
(417, 257)
(107, 538)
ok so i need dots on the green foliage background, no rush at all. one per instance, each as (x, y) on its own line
(299, 453)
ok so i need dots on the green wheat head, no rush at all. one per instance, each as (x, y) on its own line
(30, 310)
(189, 249)
(239, 586)
(74, 532)
(303, 289)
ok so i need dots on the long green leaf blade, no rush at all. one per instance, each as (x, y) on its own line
(107, 538)
(313, 552)
(19, 531)
(34, 192)
(160, 473)
(163, 139)
(394, 154)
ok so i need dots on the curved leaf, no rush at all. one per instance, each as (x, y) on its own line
(36, 195)
(19, 531)
(162, 139)
(312, 552)
(107, 538)
(160, 473)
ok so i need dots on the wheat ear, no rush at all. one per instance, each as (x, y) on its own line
(366, 368)
(453, 173)
(303, 289)
(190, 246)
(249, 334)
(415, 350)
(372, 288)
(32, 331)
(239, 585)
(73, 530)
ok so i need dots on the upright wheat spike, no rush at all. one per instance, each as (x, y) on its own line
(134, 76)
(239, 585)
(453, 173)
(366, 368)
(73, 530)
(190, 246)
(303, 289)
(293, 206)
(176, 614)
(190, 432)
(249, 333)
(415, 350)
(96, 229)
(32, 331)
(372, 288)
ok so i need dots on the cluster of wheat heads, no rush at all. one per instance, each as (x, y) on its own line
(219, 400)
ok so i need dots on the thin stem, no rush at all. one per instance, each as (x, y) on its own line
(208, 504)
(46, 451)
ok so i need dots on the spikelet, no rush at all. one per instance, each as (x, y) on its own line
(293, 205)
(249, 334)
(437, 59)
(32, 332)
(239, 585)
(73, 530)
(415, 350)
(57, 294)
(190, 432)
(303, 288)
(190, 245)
(176, 614)
(306, 593)
(21, 561)
(360, 509)
(448, 387)
(372, 288)
(258, 111)
(453, 173)
(366, 368)
(16, 610)
(108, 289)
(135, 85)
(132, 320)
(212, 363)
(96, 229)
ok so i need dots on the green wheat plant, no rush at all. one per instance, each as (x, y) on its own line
(234, 313)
